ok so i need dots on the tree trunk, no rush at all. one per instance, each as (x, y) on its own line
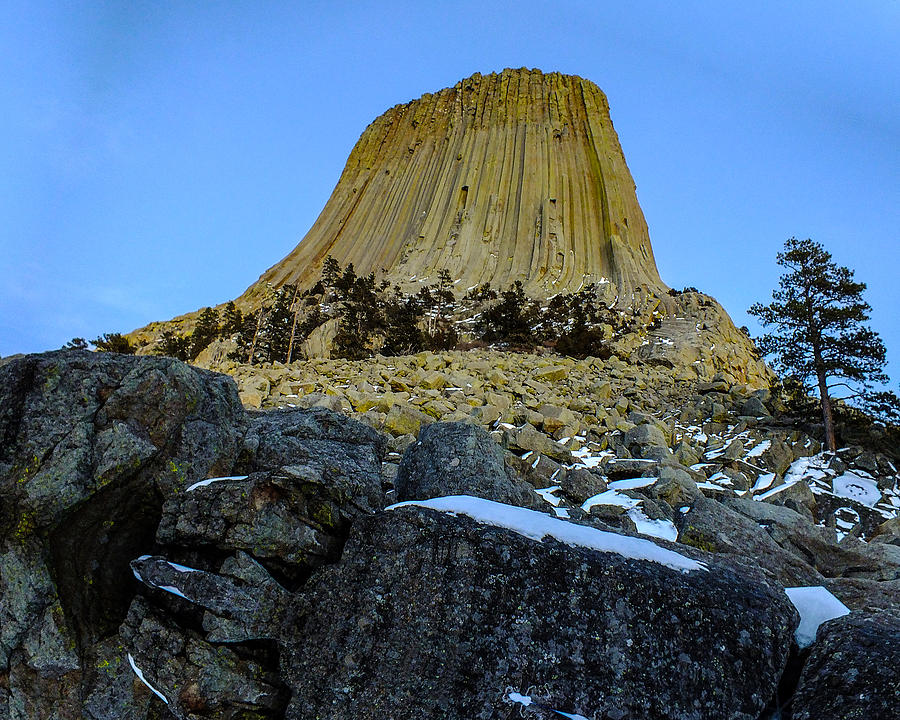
(290, 351)
(828, 419)
(296, 309)
(819, 364)
(255, 336)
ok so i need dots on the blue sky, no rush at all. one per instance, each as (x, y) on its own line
(157, 157)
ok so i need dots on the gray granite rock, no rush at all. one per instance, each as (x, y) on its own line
(433, 615)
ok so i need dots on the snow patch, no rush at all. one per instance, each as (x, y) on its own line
(210, 481)
(610, 497)
(662, 529)
(632, 483)
(720, 478)
(137, 671)
(852, 486)
(774, 491)
(174, 590)
(525, 701)
(547, 495)
(537, 525)
(519, 698)
(759, 449)
(815, 605)
(763, 482)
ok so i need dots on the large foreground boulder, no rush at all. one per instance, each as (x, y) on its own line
(89, 444)
(432, 614)
(851, 673)
(107, 459)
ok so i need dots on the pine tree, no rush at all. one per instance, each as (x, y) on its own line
(361, 315)
(176, 346)
(510, 320)
(114, 342)
(205, 332)
(274, 335)
(331, 272)
(245, 338)
(402, 335)
(818, 336)
(232, 321)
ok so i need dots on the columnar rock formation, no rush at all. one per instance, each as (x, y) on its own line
(512, 176)
(516, 175)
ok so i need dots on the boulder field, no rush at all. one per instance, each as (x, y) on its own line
(600, 543)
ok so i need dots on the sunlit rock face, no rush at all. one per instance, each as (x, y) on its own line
(516, 175)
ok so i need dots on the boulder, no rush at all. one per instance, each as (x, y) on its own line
(578, 484)
(89, 444)
(813, 544)
(431, 614)
(797, 496)
(865, 594)
(551, 374)
(532, 440)
(888, 532)
(711, 526)
(851, 672)
(453, 458)
(345, 450)
(405, 420)
(296, 517)
(175, 671)
(244, 603)
(556, 418)
(754, 407)
(644, 435)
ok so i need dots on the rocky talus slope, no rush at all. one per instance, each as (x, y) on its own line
(489, 536)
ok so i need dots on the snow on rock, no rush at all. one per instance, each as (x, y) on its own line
(537, 525)
(720, 478)
(210, 481)
(662, 529)
(774, 491)
(610, 497)
(763, 482)
(585, 457)
(525, 701)
(174, 590)
(140, 674)
(759, 449)
(815, 605)
(810, 468)
(855, 487)
(547, 494)
(632, 483)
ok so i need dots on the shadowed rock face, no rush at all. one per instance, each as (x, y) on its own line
(852, 670)
(432, 615)
(510, 176)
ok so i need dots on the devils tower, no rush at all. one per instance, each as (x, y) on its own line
(516, 175)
